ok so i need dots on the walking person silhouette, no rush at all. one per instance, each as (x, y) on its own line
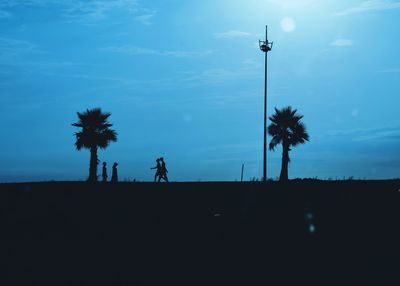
(104, 172)
(114, 176)
(163, 172)
(158, 170)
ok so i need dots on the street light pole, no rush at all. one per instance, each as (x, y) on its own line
(265, 46)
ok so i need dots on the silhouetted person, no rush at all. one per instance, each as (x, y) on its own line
(114, 176)
(104, 172)
(158, 170)
(163, 171)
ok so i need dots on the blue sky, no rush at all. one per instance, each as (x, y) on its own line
(184, 80)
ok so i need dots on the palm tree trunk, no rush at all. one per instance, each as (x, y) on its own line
(285, 162)
(93, 165)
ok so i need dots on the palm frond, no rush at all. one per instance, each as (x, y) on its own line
(286, 126)
(299, 135)
(106, 137)
(95, 129)
(274, 129)
(275, 141)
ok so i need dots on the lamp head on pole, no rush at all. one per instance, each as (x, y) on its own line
(265, 46)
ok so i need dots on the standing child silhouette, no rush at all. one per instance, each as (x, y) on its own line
(114, 176)
(104, 173)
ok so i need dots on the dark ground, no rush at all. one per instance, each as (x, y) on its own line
(200, 233)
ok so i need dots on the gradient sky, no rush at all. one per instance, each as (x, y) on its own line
(184, 80)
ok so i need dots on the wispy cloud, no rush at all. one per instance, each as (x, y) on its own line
(342, 43)
(387, 133)
(391, 70)
(372, 5)
(86, 12)
(381, 134)
(222, 76)
(231, 34)
(189, 79)
(82, 11)
(237, 148)
(135, 50)
(18, 53)
(5, 14)
(251, 62)
(8, 44)
(12, 49)
(250, 69)
(146, 18)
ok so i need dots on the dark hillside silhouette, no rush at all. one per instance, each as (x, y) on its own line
(95, 133)
(305, 232)
(286, 129)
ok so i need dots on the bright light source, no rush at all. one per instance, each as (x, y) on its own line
(288, 24)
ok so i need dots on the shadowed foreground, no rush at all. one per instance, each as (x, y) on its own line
(201, 233)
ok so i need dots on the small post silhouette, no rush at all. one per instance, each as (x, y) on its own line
(241, 177)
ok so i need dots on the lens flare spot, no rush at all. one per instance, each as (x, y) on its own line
(288, 24)
(187, 118)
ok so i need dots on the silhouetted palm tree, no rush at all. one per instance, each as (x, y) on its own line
(286, 129)
(95, 133)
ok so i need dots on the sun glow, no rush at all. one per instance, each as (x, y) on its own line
(290, 4)
(288, 24)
